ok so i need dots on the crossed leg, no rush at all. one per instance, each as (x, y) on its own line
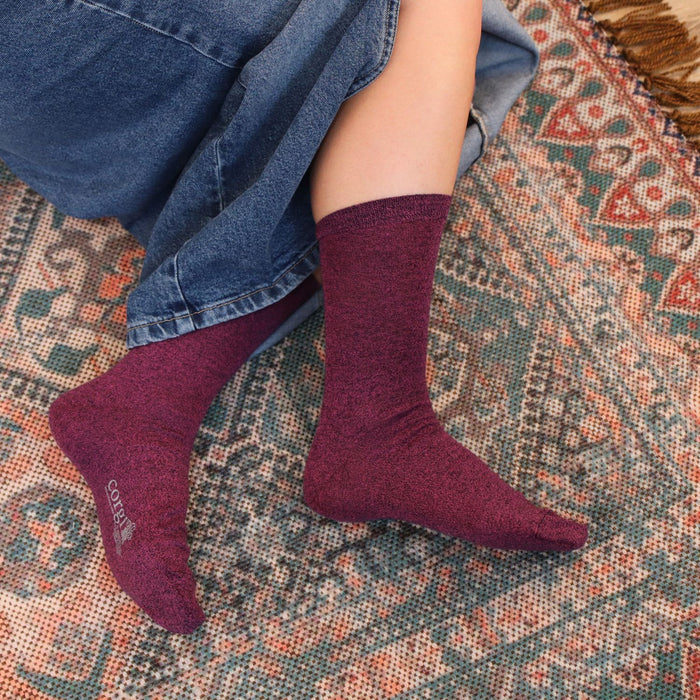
(381, 186)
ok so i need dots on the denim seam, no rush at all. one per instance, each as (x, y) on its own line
(230, 301)
(112, 11)
(176, 276)
(239, 79)
(219, 172)
(391, 14)
(217, 153)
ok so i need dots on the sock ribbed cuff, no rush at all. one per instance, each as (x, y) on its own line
(405, 207)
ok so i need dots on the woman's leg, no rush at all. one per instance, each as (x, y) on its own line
(403, 133)
(130, 433)
(380, 191)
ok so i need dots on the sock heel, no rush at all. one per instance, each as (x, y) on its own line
(348, 501)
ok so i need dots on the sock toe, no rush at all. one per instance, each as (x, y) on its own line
(561, 533)
(169, 600)
(181, 615)
(175, 613)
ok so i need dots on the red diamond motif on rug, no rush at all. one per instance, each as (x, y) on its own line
(622, 207)
(564, 124)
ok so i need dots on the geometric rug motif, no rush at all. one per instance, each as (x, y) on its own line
(564, 349)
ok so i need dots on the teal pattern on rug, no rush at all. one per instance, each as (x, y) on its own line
(564, 349)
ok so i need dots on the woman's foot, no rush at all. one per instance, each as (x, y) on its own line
(130, 433)
(403, 465)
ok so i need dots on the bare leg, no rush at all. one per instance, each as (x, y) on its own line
(402, 134)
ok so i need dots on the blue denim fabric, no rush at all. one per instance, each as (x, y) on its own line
(195, 123)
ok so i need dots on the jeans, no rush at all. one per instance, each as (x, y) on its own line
(194, 123)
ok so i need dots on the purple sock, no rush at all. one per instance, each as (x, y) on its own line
(130, 433)
(379, 450)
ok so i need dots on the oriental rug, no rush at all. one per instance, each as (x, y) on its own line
(564, 349)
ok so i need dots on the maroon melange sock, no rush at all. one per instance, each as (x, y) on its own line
(379, 450)
(130, 433)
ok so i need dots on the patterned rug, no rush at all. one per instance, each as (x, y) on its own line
(564, 348)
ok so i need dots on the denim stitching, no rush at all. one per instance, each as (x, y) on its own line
(230, 301)
(110, 10)
(176, 275)
(390, 21)
(219, 173)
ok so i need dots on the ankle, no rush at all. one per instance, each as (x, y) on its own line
(362, 404)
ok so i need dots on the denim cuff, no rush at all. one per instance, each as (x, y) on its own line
(185, 320)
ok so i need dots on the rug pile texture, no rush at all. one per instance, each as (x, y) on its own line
(564, 349)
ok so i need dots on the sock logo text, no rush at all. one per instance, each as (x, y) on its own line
(123, 526)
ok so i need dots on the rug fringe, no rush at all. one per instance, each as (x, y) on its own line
(688, 123)
(659, 47)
